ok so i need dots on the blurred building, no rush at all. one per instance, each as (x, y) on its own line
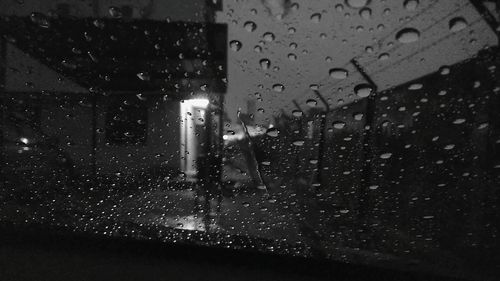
(112, 87)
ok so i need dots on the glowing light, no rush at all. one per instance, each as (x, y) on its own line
(197, 102)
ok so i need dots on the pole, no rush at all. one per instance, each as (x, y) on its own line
(366, 150)
(94, 137)
(319, 166)
(3, 80)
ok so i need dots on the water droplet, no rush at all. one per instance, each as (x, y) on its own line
(115, 12)
(278, 88)
(358, 116)
(268, 36)
(265, 64)
(408, 35)
(298, 143)
(449, 146)
(459, 121)
(483, 125)
(363, 90)
(250, 26)
(316, 17)
(98, 23)
(338, 125)
(272, 132)
(311, 102)
(444, 70)
(386, 155)
(383, 56)
(338, 73)
(235, 45)
(366, 13)
(40, 19)
(457, 24)
(143, 76)
(411, 5)
(415, 86)
(356, 3)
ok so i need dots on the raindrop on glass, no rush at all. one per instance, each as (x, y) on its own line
(272, 132)
(363, 90)
(297, 113)
(338, 73)
(415, 86)
(235, 45)
(311, 102)
(338, 125)
(316, 17)
(408, 35)
(365, 13)
(298, 143)
(411, 5)
(459, 121)
(143, 76)
(383, 56)
(40, 19)
(357, 3)
(250, 26)
(278, 88)
(386, 155)
(457, 24)
(268, 36)
(265, 64)
(358, 116)
(115, 12)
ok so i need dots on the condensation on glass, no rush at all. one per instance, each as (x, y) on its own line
(360, 131)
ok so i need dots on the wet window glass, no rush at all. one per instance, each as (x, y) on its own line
(357, 131)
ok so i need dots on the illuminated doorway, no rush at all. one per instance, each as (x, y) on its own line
(193, 134)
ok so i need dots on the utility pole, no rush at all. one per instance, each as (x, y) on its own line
(362, 194)
(3, 81)
(321, 149)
